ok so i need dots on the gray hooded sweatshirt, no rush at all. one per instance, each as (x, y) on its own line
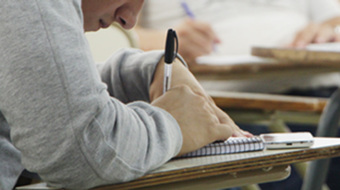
(61, 118)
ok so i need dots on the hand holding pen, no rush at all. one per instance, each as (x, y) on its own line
(187, 100)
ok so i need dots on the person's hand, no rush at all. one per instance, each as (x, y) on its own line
(196, 38)
(201, 121)
(197, 120)
(315, 33)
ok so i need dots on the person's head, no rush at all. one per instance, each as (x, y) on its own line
(102, 13)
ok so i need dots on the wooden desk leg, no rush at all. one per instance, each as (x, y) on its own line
(278, 126)
(251, 187)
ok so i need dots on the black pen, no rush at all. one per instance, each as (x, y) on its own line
(169, 56)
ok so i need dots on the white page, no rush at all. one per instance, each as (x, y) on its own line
(332, 47)
(231, 59)
(220, 59)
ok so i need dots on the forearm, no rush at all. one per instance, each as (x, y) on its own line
(321, 32)
(333, 22)
(129, 73)
(135, 75)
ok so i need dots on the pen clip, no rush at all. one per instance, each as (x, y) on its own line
(176, 52)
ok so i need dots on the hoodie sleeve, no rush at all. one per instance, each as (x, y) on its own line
(129, 73)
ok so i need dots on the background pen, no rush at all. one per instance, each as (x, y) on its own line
(187, 9)
(169, 56)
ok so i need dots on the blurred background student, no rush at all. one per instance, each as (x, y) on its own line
(231, 27)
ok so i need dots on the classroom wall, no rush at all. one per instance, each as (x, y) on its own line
(106, 41)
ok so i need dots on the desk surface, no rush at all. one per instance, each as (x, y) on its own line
(178, 170)
(269, 164)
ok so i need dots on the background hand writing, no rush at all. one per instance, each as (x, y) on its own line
(315, 33)
(196, 38)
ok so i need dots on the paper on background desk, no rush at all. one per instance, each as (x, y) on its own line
(330, 47)
(231, 59)
(220, 59)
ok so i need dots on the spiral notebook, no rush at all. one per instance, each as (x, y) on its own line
(232, 145)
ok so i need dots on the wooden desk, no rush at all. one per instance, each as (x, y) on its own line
(269, 102)
(180, 171)
(272, 111)
(186, 169)
(257, 70)
(281, 62)
(300, 56)
(268, 109)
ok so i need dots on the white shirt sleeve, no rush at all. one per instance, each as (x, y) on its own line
(321, 10)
